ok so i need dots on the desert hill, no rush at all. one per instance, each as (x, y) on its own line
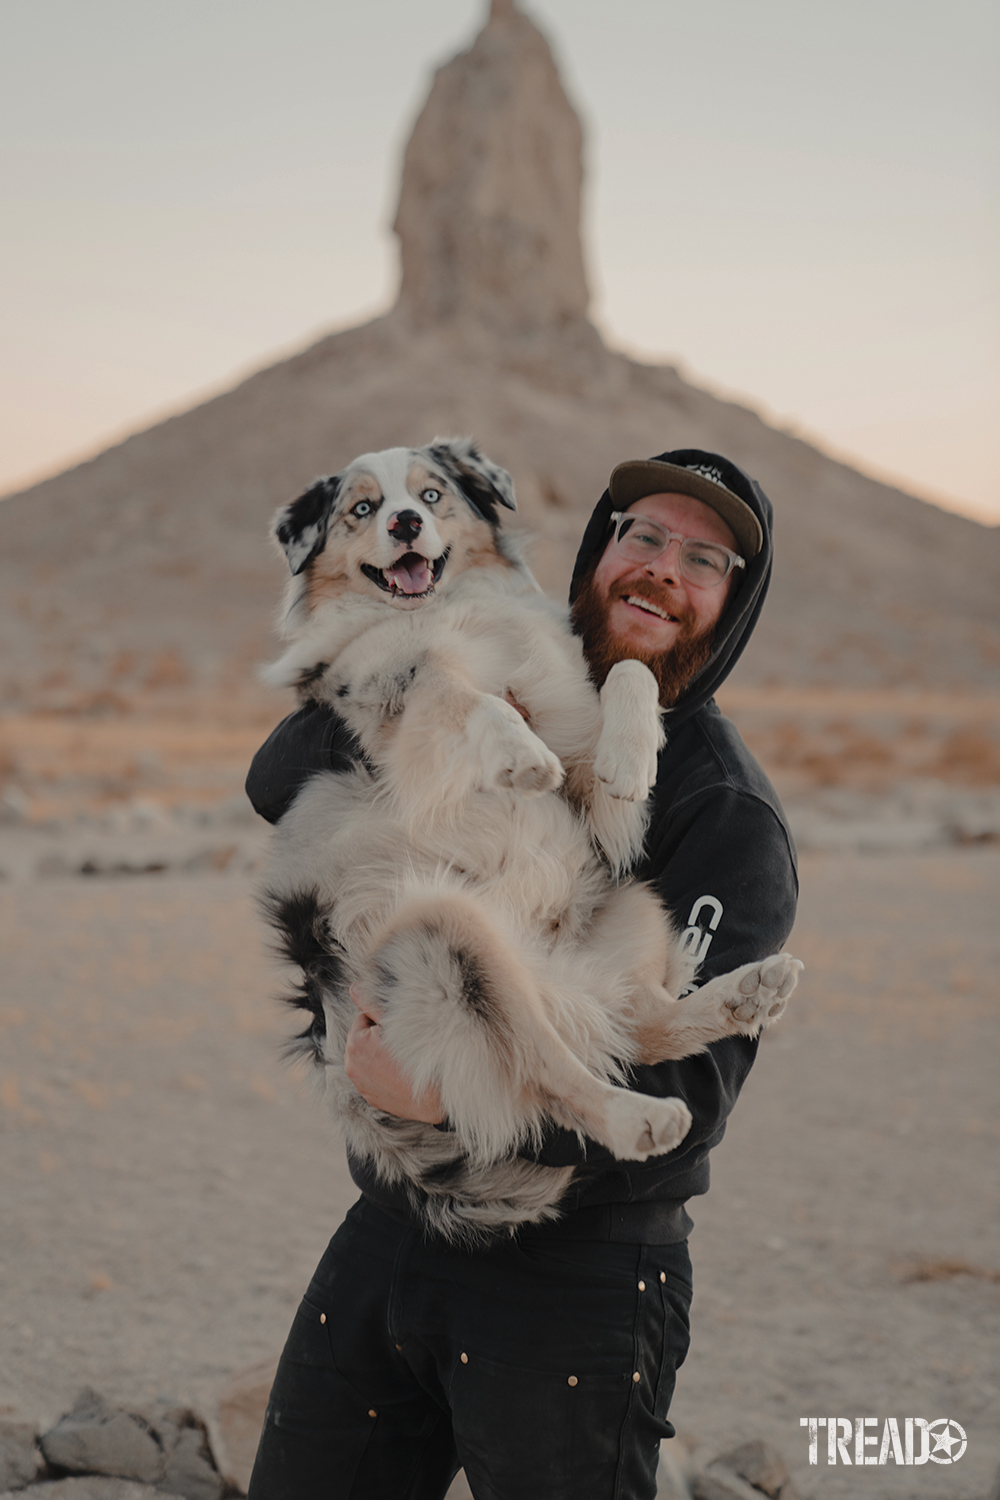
(150, 565)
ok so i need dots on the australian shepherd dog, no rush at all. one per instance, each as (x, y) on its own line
(469, 872)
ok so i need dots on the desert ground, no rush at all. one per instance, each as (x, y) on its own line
(168, 1184)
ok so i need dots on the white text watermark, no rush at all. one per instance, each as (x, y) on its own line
(901, 1440)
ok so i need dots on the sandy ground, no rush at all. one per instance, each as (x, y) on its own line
(167, 1187)
(106, 754)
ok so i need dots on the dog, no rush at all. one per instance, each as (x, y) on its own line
(469, 871)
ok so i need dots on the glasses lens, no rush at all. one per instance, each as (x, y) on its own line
(701, 563)
(640, 539)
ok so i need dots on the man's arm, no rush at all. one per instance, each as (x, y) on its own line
(312, 739)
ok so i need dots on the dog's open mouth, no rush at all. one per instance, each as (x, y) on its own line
(411, 575)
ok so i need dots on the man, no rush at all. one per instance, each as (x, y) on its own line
(546, 1365)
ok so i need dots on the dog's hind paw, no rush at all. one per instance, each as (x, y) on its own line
(638, 1126)
(762, 991)
(509, 754)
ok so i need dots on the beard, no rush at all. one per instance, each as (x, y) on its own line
(674, 668)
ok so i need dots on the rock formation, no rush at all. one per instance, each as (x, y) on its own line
(489, 212)
(150, 564)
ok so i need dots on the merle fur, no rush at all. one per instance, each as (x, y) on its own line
(302, 924)
(475, 988)
(484, 491)
(309, 675)
(311, 510)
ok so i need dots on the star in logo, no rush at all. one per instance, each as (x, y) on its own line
(950, 1437)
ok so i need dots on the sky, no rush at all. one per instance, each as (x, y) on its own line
(797, 203)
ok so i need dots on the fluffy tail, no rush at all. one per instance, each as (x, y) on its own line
(302, 924)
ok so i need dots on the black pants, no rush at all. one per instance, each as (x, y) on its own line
(544, 1367)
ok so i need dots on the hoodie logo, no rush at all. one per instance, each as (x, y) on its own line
(696, 939)
(715, 475)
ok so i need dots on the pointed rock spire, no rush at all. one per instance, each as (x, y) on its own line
(489, 209)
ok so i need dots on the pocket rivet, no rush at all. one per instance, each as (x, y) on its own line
(372, 1412)
(663, 1275)
(322, 1317)
(464, 1358)
(572, 1380)
(642, 1286)
(636, 1377)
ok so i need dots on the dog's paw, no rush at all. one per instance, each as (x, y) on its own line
(625, 771)
(761, 992)
(626, 758)
(638, 1126)
(509, 755)
(381, 693)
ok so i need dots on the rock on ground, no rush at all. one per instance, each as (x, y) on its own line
(760, 1465)
(746, 1472)
(90, 1487)
(239, 1418)
(97, 1438)
(20, 1459)
(188, 1460)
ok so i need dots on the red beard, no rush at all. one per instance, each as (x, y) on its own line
(673, 668)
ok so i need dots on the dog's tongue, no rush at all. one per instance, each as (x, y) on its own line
(411, 575)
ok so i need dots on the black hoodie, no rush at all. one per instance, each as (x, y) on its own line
(719, 854)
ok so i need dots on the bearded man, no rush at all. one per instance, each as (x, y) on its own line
(546, 1365)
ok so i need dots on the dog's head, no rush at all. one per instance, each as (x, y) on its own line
(398, 525)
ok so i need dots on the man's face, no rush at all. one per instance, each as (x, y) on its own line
(646, 610)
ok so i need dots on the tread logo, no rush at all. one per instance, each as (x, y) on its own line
(912, 1440)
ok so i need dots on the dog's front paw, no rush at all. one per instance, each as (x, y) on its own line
(626, 758)
(624, 773)
(508, 753)
(762, 991)
(638, 1126)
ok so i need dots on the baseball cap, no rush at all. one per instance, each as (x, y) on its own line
(704, 481)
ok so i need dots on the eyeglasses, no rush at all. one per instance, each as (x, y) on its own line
(705, 564)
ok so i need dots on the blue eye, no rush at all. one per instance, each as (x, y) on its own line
(431, 496)
(362, 508)
(705, 559)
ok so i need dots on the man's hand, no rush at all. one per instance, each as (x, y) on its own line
(377, 1076)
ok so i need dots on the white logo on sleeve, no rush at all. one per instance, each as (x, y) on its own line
(696, 939)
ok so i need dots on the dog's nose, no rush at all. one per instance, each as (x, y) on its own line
(405, 525)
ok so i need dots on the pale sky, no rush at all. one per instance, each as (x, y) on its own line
(797, 202)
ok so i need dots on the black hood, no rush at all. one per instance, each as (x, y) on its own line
(734, 629)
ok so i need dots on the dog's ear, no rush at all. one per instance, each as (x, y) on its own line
(300, 527)
(484, 484)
